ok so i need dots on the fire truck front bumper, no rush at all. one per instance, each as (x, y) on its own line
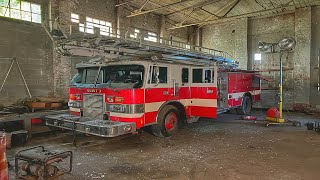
(103, 128)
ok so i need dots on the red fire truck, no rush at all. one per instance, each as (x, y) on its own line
(162, 89)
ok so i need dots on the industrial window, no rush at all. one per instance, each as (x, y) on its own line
(75, 18)
(197, 75)
(158, 74)
(135, 34)
(91, 23)
(188, 46)
(151, 37)
(257, 57)
(185, 75)
(22, 10)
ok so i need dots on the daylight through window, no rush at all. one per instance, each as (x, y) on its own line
(21, 10)
(91, 23)
(151, 37)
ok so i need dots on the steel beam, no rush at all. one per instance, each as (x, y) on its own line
(232, 7)
(187, 17)
(196, 6)
(124, 3)
(252, 14)
(155, 9)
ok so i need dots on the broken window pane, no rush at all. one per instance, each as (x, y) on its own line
(4, 3)
(74, 16)
(75, 20)
(36, 18)
(26, 16)
(15, 14)
(81, 27)
(25, 6)
(103, 23)
(15, 4)
(2, 11)
(136, 32)
(151, 37)
(21, 10)
(88, 19)
(90, 31)
(257, 57)
(96, 21)
(35, 8)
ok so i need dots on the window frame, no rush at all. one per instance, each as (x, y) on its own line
(151, 72)
(34, 16)
(182, 73)
(204, 69)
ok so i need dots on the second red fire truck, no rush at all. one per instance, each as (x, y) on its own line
(112, 97)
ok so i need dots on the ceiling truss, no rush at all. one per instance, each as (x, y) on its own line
(189, 12)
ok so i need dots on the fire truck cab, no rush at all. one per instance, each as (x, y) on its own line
(112, 98)
(137, 83)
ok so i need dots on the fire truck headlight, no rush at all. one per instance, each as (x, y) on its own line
(75, 96)
(75, 104)
(127, 128)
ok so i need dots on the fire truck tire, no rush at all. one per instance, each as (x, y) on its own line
(246, 107)
(167, 122)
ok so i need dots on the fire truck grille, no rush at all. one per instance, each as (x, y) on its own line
(93, 106)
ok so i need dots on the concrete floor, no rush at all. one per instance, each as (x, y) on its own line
(208, 149)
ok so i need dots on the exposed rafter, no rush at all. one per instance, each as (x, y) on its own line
(187, 17)
(137, 13)
(125, 3)
(227, 8)
(196, 6)
(251, 14)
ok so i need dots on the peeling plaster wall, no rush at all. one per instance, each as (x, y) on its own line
(300, 77)
(315, 53)
(31, 46)
(230, 37)
(272, 29)
(302, 56)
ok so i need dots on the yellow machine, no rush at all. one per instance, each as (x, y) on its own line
(283, 46)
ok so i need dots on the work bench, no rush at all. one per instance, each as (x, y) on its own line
(27, 119)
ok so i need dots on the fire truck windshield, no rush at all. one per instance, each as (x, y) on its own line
(113, 76)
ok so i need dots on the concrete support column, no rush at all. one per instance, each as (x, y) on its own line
(240, 36)
(62, 74)
(198, 41)
(302, 56)
(117, 12)
(162, 27)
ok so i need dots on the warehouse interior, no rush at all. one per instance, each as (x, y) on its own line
(31, 67)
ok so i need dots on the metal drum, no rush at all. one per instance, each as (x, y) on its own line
(3, 158)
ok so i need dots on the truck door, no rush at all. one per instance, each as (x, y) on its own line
(184, 92)
(156, 91)
(203, 102)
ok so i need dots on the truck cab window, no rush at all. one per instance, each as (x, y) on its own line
(185, 75)
(208, 76)
(197, 75)
(158, 73)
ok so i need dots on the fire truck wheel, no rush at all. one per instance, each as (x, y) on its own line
(245, 108)
(167, 122)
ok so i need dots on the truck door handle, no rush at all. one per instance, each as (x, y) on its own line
(165, 92)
